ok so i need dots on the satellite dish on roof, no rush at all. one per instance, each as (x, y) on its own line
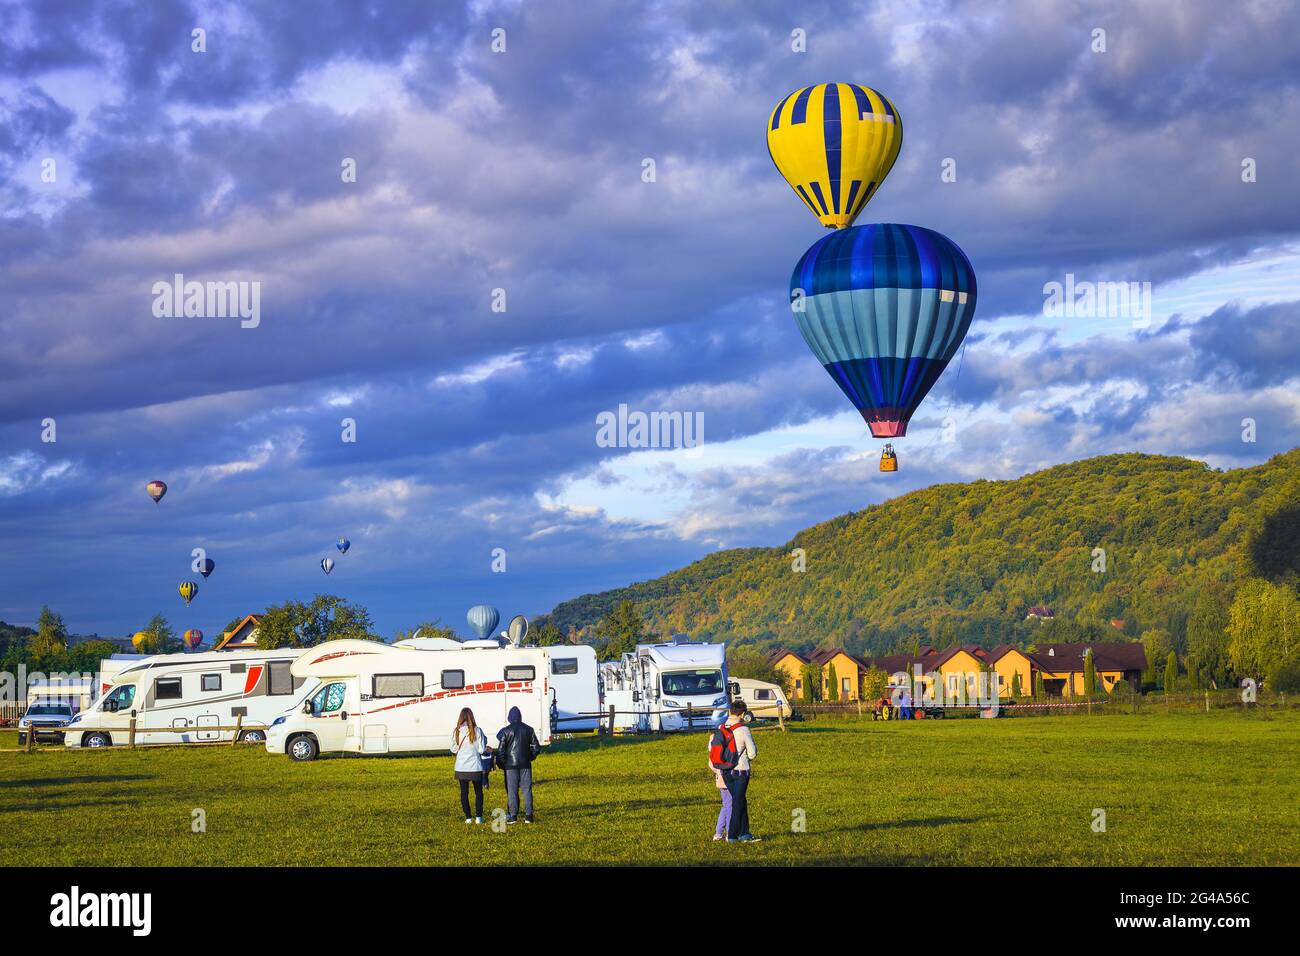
(517, 630)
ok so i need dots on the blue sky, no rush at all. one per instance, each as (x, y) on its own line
(522, 171)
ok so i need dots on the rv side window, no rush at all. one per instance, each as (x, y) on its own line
(453, 680)
(398, 685)
(564, 665)
(281, 680)
(211, 682)
(520, 673)
(167, 688)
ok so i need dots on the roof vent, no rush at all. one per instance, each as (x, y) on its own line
(1051, 652)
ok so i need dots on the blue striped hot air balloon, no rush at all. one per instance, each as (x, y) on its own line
(884, 307)
(483, 618)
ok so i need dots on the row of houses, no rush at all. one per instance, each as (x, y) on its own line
(1062, 667)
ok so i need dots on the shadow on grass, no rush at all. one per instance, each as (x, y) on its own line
(584, 744)
(905, 824)
(40, 782)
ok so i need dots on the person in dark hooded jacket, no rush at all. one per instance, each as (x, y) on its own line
(517, 748)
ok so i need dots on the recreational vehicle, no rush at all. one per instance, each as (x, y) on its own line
(674, 686)
(575, 693)
(765, 701)
(194, 692)
(379, 698)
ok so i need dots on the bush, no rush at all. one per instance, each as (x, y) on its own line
(1122, 691)
(1286, 678)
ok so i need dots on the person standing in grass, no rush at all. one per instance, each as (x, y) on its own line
(736, 753)
(469, 744)
(517, 748)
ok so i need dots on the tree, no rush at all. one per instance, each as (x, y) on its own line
(51, 635)
(1157, 643)
(1263, 628)
(1015, 684)
(745, 660)
(326, 618)
(812, 683)
(832, 685)
(1207, 640)
(159, 637)
(874, 684)
(1171, 673)
(85, 657)
(619, 631)
(1039, 692)
(1089, 674)
(548, 635)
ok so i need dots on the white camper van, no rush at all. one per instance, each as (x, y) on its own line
(385, 698)
(766, 701)
(674, 686)
(192, 691)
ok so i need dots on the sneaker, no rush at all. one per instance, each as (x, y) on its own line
(529, 820)
(468, 820)
(717, 837)
(476, 820)
(748, 838)
(512, 819)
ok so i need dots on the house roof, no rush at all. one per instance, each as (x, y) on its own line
(786, 652)
(1039, 610)
(226, 638)
(1106, 656)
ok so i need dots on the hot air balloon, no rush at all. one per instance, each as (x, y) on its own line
(343, 545)
(483, 618)
(138, 639)
(884, 308)
(207, 566)
(156, 490)
(192, 638)
(188, 589)
(327, 565)
(834, 143)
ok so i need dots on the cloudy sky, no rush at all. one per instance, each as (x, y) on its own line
(127, 157)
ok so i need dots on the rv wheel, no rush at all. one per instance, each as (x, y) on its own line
(303, 748)
(97, 740)
(252, 737)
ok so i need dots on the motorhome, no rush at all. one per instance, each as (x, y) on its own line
(191, 693)
(766, 701)
(675, 686)
(386, 698)
(575, 692)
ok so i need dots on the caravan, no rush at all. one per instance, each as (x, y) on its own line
(674, 686)
(190, 692)
(379, 698)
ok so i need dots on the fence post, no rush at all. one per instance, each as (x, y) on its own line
(780, 717)
(239, 723)
(130, 734)
(1207, 700)
(859, 706)
(611, 720)
(31, 740)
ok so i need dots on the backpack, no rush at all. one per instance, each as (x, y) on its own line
(723, 754)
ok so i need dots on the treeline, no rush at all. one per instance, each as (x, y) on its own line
(1187, 559)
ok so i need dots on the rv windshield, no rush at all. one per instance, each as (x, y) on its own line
(693, 683)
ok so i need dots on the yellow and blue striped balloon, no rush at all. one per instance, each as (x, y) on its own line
(187, 590)
(835, 143)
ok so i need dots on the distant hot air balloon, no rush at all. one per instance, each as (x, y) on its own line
(192, 638)
(327, 565)
(207, 566)
(834, 143)
(483, 618)
(138, 639)
(884, 308)
(188, 589)
(343, 545)
(156, 490)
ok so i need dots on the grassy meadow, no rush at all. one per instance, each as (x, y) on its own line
(1196, 789)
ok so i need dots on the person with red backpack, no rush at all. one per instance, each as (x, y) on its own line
(731, 748)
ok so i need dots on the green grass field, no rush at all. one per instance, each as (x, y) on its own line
(1217, 788)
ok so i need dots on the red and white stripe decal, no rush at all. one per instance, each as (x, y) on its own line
(336, 654)
(487, 687)
(254, 673)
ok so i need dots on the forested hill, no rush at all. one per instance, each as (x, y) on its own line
(963, 562)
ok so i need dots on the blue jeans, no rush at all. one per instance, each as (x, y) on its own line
(724, 815)
(737, 784)
(517, 780)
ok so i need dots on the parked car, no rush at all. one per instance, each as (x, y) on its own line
(44, 720)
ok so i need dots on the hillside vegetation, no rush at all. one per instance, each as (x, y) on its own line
(961, 563)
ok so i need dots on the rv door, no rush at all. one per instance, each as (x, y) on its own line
(329, 716)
